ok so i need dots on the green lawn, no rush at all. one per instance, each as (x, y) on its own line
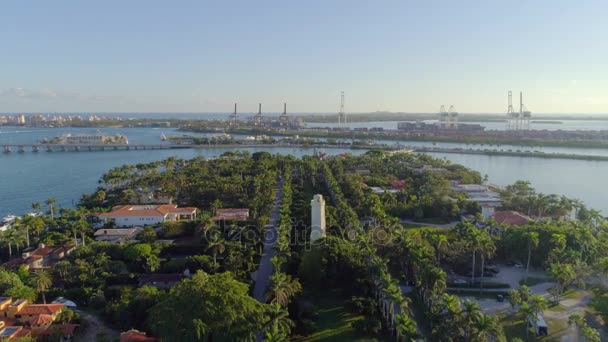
(534, 281)
(514, 326)
(334, 322)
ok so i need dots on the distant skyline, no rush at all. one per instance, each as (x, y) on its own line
(397, 56)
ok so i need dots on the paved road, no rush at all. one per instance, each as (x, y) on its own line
(270, 238)
(96, 326)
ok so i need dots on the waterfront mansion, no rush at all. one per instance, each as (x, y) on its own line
(140, 215)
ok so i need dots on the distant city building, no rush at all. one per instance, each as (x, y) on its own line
(317, 223)
(94, 139)
(20, 119)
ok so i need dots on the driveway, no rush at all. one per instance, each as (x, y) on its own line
(95, 327)
(262, 275)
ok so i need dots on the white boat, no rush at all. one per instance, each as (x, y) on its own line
(163, 137)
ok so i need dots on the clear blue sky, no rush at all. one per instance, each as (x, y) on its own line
(201, 56)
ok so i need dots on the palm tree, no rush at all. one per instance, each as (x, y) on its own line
(538, 304)
(36, 206)
(602, 266)
(216, 246)
(278, 320)
(441, 246)
(51, 203)
(473, 242)
(532, 244)
(282, 288)
(395, 297)
(486, 249)
(526, 311)
(405, 326)
(514, 298)
(81, 226)
(471, 312)
(564, 276)
(485, 329)
(10, 238)
(42, 280)
(525, 294)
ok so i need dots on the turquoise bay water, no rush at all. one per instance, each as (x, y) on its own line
(33, 177)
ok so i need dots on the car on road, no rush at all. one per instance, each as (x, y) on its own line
(500, 298)
(518, 265)
(460, 281)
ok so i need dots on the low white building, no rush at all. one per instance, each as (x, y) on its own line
(143, 215)
(117, 235)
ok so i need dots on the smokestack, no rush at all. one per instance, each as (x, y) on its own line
(259, 109)
(235, 108)
(285, 108)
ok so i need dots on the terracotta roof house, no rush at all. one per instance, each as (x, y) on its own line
(117, 235)
(511, 218)
(8, 332)
(239, 214)
(140, 215)
(19, 318)
(136, 336)
(41, 257)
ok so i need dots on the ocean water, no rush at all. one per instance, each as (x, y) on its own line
(34, 177)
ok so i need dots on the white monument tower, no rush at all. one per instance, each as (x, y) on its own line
(317, 223)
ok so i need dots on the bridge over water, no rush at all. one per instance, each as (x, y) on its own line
(21, 148)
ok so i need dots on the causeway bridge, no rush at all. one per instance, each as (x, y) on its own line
(22, 148)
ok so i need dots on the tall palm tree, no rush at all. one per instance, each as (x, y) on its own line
(282, 288)
(42, 281)
(12, 238)
(485, 329)
(441, 246)
(471, 311)
(526, 311)
(487, 248)
(51, 203)
(473, 242)
(395, 297)
(533, 242)
(216, 245)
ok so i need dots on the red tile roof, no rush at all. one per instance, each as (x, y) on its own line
(146, 210)
(511, 218)
(37, 254)
(41, 319)
(39, 309)
(66, 329)
(136, 336)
